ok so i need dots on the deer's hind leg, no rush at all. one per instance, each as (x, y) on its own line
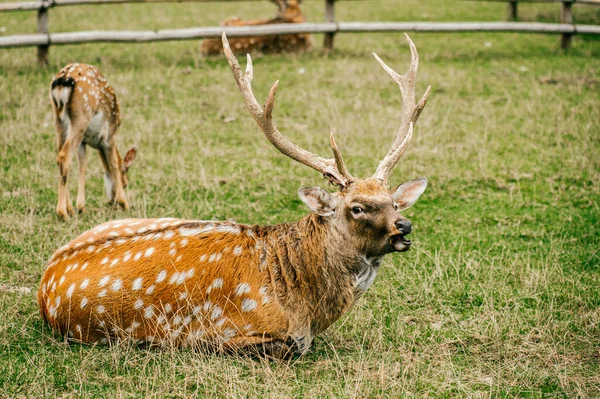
(70, 136)
(81, 150)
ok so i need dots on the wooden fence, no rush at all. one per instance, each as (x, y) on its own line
(43, 39)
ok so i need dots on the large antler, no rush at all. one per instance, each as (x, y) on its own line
(410, 111)
(333, 169)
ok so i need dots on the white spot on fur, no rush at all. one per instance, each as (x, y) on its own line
(100, 309)
(242, 289)
(127, 256)
(149, 252)
(133, 326)
(84, 284)
(220, 322)
(102, 293)
(84, 302)
(168, 308)
(84, 266)
(148, 311)
(116, 285)
(183, 242)
(248, 305)
(237, 250)
(217, 283)
(103, 281)
(137, 284)
(169, 234)
(229, 333)
(150, 289)
(62, 280)
(104, 261)
(70, 291)
(265, 297)
(137, 256)
(172, 252)
(114, 262)
(161, 276)
(216, 312)
(174, 278)
(138, 304)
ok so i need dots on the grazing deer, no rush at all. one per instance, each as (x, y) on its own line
(288, 13)
(226, 285)
(86, 112)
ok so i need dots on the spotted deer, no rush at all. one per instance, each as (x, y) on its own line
(229, 286)
(86, 112)
(288, 12)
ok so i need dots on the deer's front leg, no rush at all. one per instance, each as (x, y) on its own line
(81, 185)
(263, 347)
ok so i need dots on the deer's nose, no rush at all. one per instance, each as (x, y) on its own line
(404, 226)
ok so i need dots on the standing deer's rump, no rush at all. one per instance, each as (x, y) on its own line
(86, 112)
(232, 286)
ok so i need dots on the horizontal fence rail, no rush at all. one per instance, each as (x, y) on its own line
(43, 39)
(279, 29)
(36, 5)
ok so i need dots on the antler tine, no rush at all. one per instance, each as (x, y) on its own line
(263, 117)
(410, 111)
(339, 161)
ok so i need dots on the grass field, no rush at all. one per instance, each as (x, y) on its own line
(499, 296)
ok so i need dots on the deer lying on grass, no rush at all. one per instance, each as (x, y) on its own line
(288, 13)
(86, 112)
(230, 286)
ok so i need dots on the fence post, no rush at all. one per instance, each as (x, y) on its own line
(566, 18)
(42, 27)
(512, 11)
(329, 17)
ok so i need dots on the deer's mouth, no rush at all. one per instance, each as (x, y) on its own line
(400, 242)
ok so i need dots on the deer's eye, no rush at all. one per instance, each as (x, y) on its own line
(396, 207)
(357, 210)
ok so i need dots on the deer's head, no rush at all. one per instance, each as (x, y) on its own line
(364, 212)
(126, 163)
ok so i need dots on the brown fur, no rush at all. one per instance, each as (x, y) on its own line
(280, 285)
(86, 112)
(289, 13)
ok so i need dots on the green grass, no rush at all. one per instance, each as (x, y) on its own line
(499, 296)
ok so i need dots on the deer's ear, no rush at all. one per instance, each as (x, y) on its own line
(318, 200)
(129, 157)
(409, 192)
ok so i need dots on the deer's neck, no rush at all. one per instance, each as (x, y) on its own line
(314, 270)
